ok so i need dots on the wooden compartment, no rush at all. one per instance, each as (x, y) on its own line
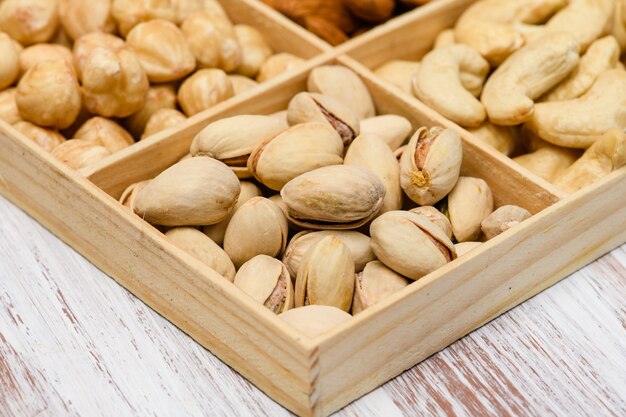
(316, 377)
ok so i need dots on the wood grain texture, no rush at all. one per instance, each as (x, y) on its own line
(74, 343)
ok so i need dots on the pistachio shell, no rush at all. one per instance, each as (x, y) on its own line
(357, 243)
(128, 196)
(267, 281)
(231, 140)
(369, 151)
(217, 231)
(326, 276)
(392, 129)
(201, 247)
(469, 203)
(503, 219)
(435, 216)
(299, 149)
(334, 197)
(374, 284)
(313, 321)
(197, 191)
(410, 244)
(344, 85)
(431, 164)
(258, 227)
(465, 247)
(311, 107)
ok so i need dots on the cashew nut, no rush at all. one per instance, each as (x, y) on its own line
(438, 83)
(603, 157)
(602, 55)
(527, 74)
(399, 73)
(504, 139)
(549, 161)
(578, 123)
(445, 38)
(495, 27)
(618, 30)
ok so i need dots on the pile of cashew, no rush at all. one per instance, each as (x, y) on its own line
(538, 80)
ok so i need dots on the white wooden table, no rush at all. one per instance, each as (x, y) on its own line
(74, 343)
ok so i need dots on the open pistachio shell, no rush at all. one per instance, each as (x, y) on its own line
(299, 245)
(258, 227)
(466, 247)
(503, 219)
(431, 164)
(233, 139)
(195, 192)
(314, 320)
(334, 197)
(436, 217)
(297, 150)
(267, 281)
(326, 276)
(312, 107)
(201, 247)
(374, 284)
(393, 130)
(410, 244)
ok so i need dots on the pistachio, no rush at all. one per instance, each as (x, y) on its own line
(469, 203)
(466, 247)
(267, 281)
(48, 139)
(368, 151)
(8, 107)
(217, 231)
(392, 129)
(311, 107)
(502, 220)
(357, 243)
(313, 321)
(241, 84)
(344, 85)
(77, 153)
(435, 216)
(431, 164)
(410, 244)
(195, 192)
(198, 245)
(161, 120)
(203, 90)
(258, 227)
(299, 149)
(334, 197)
(233, 139)
(326, 276)
(128, 196)
(105, 132)
(276, 198)
(374, 284)
(277, 65)
(254, 50)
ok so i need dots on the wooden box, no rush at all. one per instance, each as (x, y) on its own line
(317, 377)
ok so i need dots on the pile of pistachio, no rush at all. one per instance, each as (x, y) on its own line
(541, 81)
(105, 73)
(320, 207)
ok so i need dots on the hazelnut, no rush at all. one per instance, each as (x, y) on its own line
(8, 107)
(78, 153)
(48, 139)
(49, 95)
(129, 13)
(86, 44)
(158, 97)
(162, 50)
(161, 120)
(105, 132)
(80, 17)
(114, 82)
(203, 90)
(212, 40)
(254, 50)
(29, 21)
(9, 65)
(277, 65)
(36, 54)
